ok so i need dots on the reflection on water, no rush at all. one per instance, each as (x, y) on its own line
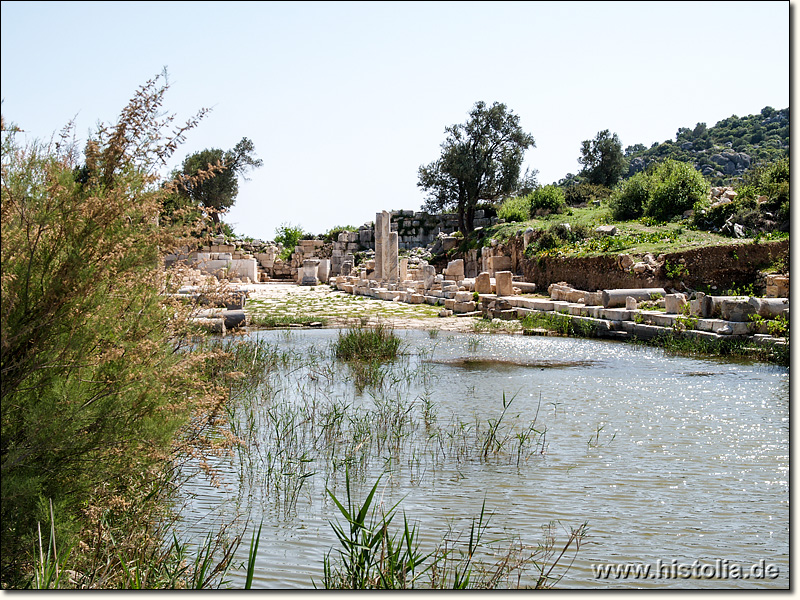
(667, 459)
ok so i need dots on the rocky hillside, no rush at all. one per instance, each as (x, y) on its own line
(724, 151)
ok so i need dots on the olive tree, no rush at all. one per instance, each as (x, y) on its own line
(480, 161)
(602, 159)
(209, 178)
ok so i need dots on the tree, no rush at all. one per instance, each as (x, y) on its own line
(210, 177)
(602, 159)
(480, 161)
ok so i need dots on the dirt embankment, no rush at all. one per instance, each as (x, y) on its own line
(721, 266)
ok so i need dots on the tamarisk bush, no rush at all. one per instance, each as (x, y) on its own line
(99, 396)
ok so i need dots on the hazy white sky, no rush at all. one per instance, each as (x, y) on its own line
(345, 100)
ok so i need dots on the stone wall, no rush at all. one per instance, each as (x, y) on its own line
(418, 229)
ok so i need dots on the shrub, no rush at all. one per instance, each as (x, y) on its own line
(674, 187)
(97, 389)
(332, 235)
(288, 235)
(547, 199)
(629, 197)
(515, 209)
(584, 193)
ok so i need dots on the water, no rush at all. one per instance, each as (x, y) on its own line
(668, 460)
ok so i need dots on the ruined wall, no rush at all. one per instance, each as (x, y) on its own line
(721, 266)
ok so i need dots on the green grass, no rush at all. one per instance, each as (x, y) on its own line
(368, 344)
(637, 236)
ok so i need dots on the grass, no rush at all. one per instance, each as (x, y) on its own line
(637, 236)
(360, 343)
(373, 556)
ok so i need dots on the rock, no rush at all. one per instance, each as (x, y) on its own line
(625, 261)
(606, 230)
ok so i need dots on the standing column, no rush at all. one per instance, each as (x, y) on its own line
(391, 251)
(382, 220)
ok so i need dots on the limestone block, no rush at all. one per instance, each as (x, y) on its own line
(593, 298)
(463, 297)
(631, 303)
(625, 261)
(463, 307)
(498, 263)
(606, 230)
(416, 299)
(777, 286)
(503, 283)
(483, 283)
(737, 309)
(769, 308)
(449, 303)
(428, 275)
(324, 270)
(455, 270)
(308, 274)
(674, 303)
(618, 297)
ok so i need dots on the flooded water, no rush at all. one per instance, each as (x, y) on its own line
(671, 462)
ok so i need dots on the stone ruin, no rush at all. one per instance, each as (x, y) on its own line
(389, 277)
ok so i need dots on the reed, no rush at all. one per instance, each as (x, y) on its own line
(377, 342)
(373, 556)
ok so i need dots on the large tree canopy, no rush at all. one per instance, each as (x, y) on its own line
(602, 159)
(480, 161)
(210, 177)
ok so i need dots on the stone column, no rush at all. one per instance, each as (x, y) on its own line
(403, 270)
(428, 274)
(391, 252)
(382, 228)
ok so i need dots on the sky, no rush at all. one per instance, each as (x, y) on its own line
(344, 101)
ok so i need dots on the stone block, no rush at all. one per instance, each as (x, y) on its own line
(737, 309)
(463, 307)
(618, 297)
(777, 286)
(769, 308)
(496, 264)
(503, 283)
(483, 283)
(674, 303)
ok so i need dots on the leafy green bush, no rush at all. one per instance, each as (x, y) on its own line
(515, 209)
(287, 235)
(585, 193)
(547, 199)
(629, 197)
(674, 187)
(332, 235)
